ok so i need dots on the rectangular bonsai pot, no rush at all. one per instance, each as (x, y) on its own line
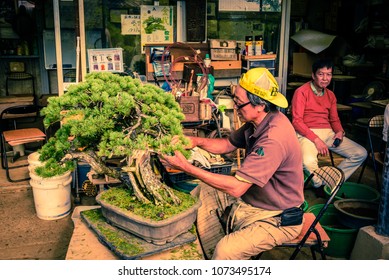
(156, 232)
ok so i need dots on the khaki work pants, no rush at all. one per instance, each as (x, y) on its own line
(249, 238)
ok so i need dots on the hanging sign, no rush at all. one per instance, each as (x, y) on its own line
(105, 60)
(156, 24)
(130, 24)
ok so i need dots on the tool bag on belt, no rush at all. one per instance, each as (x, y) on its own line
(241, 214)
(292, 217)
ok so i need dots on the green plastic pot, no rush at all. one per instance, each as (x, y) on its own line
(354, 191)
(305, 206)
(342, 238)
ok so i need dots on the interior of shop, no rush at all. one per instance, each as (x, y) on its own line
(198, 51)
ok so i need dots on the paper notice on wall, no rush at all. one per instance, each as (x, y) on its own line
(130, 24)
(156, 24)
(239, 5)
(105, 60)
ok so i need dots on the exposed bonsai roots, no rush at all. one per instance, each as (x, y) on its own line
(152, 183)
(141, 177)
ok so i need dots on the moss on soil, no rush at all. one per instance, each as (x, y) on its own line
(113, 237)
(127, 246)
(126, 200)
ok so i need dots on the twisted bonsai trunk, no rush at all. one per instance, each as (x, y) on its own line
(137, 175)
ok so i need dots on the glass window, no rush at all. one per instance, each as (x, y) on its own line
(237, 25)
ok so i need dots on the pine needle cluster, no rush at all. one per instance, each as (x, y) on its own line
(111, 116)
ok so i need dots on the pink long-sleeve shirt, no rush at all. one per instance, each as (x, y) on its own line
(312, 111)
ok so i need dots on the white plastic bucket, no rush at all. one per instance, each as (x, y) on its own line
(19, 149)
(33, 161)
(51, 195)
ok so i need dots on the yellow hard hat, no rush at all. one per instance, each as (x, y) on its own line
(260, 81)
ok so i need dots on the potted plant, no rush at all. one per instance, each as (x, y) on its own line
(51, 186)
(112, 116)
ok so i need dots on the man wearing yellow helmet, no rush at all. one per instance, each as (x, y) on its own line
(269, 181)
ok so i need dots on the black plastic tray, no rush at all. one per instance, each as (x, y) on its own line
(127, 240)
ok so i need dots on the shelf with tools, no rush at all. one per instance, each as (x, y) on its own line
(222, 68)
(265, 60)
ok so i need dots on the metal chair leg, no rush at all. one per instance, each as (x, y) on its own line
(363, 169)
(313, 253)
(320, 245)
(332, 159)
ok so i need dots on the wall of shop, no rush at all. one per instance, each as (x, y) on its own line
(361, 27)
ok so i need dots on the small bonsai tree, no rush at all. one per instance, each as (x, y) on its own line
(113, 116)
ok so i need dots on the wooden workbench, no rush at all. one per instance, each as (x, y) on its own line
(10, 101)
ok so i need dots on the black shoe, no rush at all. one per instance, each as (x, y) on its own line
(319, 192)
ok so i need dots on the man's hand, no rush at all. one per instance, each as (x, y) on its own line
(321, 147)
(338, 138)
(178, 161)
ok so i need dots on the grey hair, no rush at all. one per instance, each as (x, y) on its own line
(256, 100)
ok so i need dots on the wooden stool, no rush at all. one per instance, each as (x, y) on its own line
(15, 138)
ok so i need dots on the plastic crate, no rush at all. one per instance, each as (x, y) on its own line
(266, 63)
(182, 176)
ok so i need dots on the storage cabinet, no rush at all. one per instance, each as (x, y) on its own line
(265, 60)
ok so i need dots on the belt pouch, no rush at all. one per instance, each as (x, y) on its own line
(292, 217)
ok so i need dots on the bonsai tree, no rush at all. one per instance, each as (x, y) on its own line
(112, 116)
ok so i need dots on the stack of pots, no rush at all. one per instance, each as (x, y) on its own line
(343, 235)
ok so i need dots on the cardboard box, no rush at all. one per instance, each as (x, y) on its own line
(302, 63)
(224, 54)
(222, 44)
(223, 49)
(190, 106)
(205, 111)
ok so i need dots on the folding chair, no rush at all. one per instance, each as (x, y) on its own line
(332, 158)
(374, 128)
(20, 114)
(313, 235)
(19, 82)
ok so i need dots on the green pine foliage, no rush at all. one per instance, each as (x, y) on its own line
(112, 115)
(52, 168)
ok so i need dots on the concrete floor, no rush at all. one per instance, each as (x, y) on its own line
(25, 236)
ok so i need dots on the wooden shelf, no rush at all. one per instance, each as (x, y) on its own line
(222, 68)
(263, 56)
(217, 65)
(255, 61)
(18, 56)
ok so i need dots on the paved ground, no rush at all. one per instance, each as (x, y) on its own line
(24, 236)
